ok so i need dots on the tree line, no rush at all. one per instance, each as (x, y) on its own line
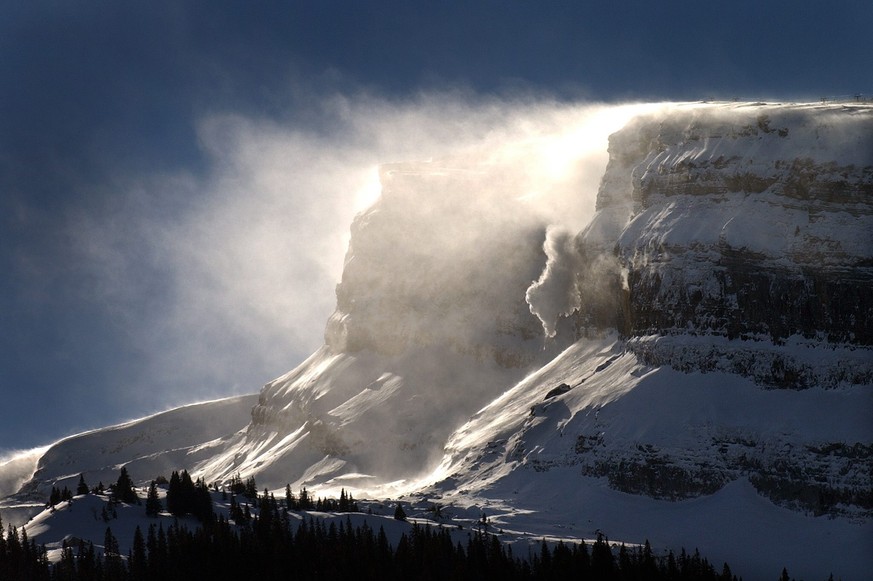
(273, 547)
(274, 543)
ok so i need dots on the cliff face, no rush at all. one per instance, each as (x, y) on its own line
(436, 262)
(732, 252)
(749, 222)
(732, 241)
(430, 325)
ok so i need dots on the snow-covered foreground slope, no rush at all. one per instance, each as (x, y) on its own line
(694, 367)
(148, 447)
(595, 440)
(362, 421)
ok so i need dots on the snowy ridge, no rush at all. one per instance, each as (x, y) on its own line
(157, 444)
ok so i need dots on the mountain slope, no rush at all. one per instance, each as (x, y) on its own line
(693, 367)
(148, 447)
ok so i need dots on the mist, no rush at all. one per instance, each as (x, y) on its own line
(16, 468)
(223, 280)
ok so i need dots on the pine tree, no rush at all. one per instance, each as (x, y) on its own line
(399, 513)
(174, 495)
(290, 501)
(54, 496)
(602, 562)
(82, 488)
(304, 501)
(201, 501)
(251, 489)
(153, 504)
(113, 565)
(138, 563)
(124, 491)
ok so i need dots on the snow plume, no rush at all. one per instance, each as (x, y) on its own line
(556, 293)
(218, 280)
(16, 468)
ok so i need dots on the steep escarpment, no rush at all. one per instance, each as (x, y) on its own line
(430, 325)
(749, 222)
(723, 249)
(732, 256)
(440, 260)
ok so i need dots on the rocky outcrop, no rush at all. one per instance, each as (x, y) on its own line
(732, 255)
(433, 262)
(430, 325)
(742, 222)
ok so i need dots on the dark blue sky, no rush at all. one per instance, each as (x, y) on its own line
(101, 100)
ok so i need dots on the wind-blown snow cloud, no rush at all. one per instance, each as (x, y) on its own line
(215, 279)
(16, 468)
(556, 294)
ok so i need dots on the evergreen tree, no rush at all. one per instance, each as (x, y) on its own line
(123, 490)
(251, 488)
(82, 488)
(66, 567)
(186, 497)
(304, 502)
(54, 496)
(174, 495)
(201, 501)
(153, 503)
(86, 561)
(602, 562)
(113, 565)
(399, 513)
(290, 501)
(137, 561)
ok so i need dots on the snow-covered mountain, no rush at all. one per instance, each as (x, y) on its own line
(694, 367)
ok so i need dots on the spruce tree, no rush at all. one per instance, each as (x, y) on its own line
(124, 491)
(251, 489)
(399, 513)
(82, 488)
(153, 503)
(602, 562)
(138, 563)
(174, 495)
(54, 496)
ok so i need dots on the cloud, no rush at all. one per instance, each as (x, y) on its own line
(16, 468)
(556, 292)
(220, 280)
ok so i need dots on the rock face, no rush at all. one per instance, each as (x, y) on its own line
(753, 222)
(732, 247)
(730, 252)
(430, 325)
(435, 263)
